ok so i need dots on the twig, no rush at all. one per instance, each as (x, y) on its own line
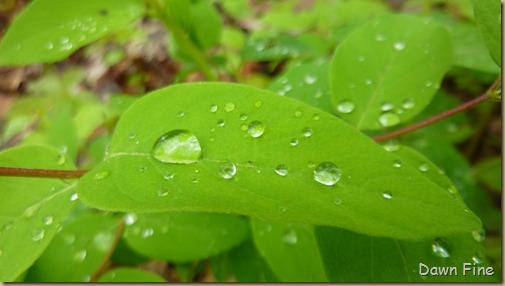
(41, 173)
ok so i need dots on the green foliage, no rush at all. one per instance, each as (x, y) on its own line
(281, 182)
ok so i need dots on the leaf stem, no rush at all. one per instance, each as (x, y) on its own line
(463, 107)
(41, 173)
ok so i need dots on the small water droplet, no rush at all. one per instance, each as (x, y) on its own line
(345, 106)
(147, 232)
(38, 234)
(178, 146)
(307, 132)
(387, 195)
(368, 81)
(168, 175)
(440, 248)
(195, 180)
(310, 79)
(48, 220)
(256, 129)
(258, 104)
(181, 114)
(227, 170)
(80, 255)
(69, 238)
(65, 40)
(101, 175)
(389, 119)
(316, 117)
(294, 142)
(424, 167)
(327, 174)
(392, 145)
(290, 237)
(143, 168)
(380, 37)
(162, 192)
(213, 108)
(74, 197)
(478, 258)
(428, 84)
(298, 113)
(337, 201)
(130, 218)
(311, 165)
(408, 103)
(479, 235)
(397, 164)
(452, 189)
(60, 159)
(243, 117)
(399, 46)
(244, 127)
(132, 135)
(386, 106)
(229, 107)
(361, 58)
(49, 46)
(282, 170)
(220, 122)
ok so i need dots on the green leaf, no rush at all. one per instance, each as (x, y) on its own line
(261, 160)
(489, 172)
(124, 274)
(184, 236)
(488, 18)
(290, 250)
(77, 251)
(206, 29)
(270, 48)
(31, 209)
(248, 265)
(51, 30)
(387, 70)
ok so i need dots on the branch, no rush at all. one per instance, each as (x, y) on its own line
(41, 173)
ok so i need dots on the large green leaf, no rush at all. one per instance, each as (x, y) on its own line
(266, 156)
(50, 30)
(124, 274)
(290, 250)
(387, 70)
(31, 209)
(184, 236)
(77, 251)
(488, 18)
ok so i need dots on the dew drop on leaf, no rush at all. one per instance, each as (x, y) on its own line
(380, 37)
(227, 170)
(290, 237)
(477, 258)
(282, 170)
(130, 218)
(408, 103)
(101, 175)
(397, 164)
(256, 129)
(258, 104)
(74, 197)
(389, 119)
(60, 159)
(361, 58)
(345, 106)
(243, 116)
(213, 108)
(298, 113)
(142, 168)
(391, 145)
(399, 46)
(80, 255)
(386, 106)
(162, 192)
(49, 46)
(181, 113)
(327, 174)
(368, 81)
(387, 195)
(220, 122)
(168, 175)
(69, 238)
(48, 220)
(229, 107)
(424, 167)
(38, 234)
(178, 147)
(337, 201)
(316, 117)
(307, 132)
(294, 142)
(440, 248)
(310, 79)
(479, 235)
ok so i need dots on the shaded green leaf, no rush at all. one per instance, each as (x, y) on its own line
(253, 168)
(290, 250)
(31, 209)
(77, 251)
(49, 30)
(248, 265)
(184, 236)
(488, 17)
(387, 70)
(489, 172)
(207, 25)
(124, 274)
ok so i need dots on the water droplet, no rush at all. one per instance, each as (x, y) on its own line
(392, 145)
(298, 113)
(327, 174)
(428, 84)
(345, 106)
(386, 106)
(290, 237)
(258, 104)
(65, 40)
(178, 146)
(397, 164)
(424, 167)
(361, 58)
(452, 189)
(168, 175)
(316, 117)
(220, 122)
(132, 135)
(38, 234)
(227, 170)
(49, 46)
(60, 159)
(282, 170)
(294, 142)
(380, 37)
(48, 220)
(142, 168)
(477, 258)
(399, 46)
(311, 165)
(181, 113)
(440, 248)
(256, 129)
(244, 127)
(80, 255)
(387, 195)
(229, 107)
(195, 180)
(30, 211)
(307, 132)
(408, 103)
(130, 218)
(389, 119)
(337, 201)
(69, 238)
(74, 197)
(368, 81)
(213, 108)
(310, 79)
(101, 175)
(243, 117)
(479, 235)
(147, 232)
(162, 192)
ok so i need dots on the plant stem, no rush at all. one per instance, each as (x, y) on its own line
(41, 173)
(463, 107)
(103, 266)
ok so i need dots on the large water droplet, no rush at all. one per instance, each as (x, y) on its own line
(389, 119)
(38, 234)
(101, 175)
(80, 255)
(290, 237)
(440, 248)
(282, 170)
(178, 146)
(327, 174)
(256, 129)
(479, 235)
(130, 218)
(392, 145)
(227, 170)
(399, 46)
(345, 106)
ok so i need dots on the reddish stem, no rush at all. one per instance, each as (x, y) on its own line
(41, 173)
